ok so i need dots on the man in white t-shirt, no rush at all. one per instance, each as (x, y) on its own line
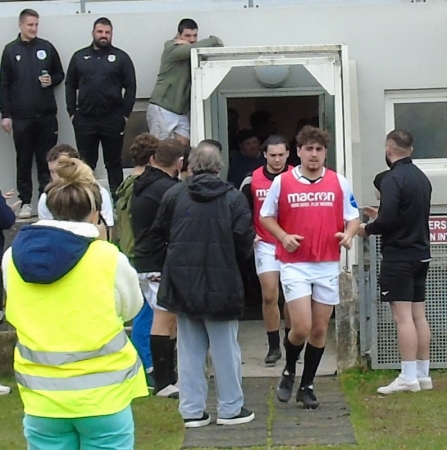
(52, 160)
(312, 212)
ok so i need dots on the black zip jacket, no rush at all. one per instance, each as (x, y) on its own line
(148, 190)
(99, 77)
(203, 229)
(404, 213)
(21, 94)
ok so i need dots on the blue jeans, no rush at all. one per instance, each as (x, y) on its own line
(111, 432)
(141, 334)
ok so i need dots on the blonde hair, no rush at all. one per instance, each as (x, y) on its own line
(75, 195)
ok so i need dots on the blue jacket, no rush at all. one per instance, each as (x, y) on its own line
(7, 219)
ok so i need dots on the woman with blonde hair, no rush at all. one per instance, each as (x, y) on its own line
(68, 294)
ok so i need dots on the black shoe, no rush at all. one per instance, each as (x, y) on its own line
(244, 416)
(285, 386)
(306, 396)
(273, 356)
(197, 423)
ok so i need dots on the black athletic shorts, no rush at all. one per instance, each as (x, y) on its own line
(403, 281)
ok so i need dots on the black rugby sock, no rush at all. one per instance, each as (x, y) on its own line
(312, 358)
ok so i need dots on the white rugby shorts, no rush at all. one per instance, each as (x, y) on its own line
(163, 124)
(318, 280)
(265, 260)
(150, 288)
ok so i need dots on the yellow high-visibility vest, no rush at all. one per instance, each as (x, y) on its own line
(73, 358)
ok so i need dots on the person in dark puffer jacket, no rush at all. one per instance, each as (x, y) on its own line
(203, 227)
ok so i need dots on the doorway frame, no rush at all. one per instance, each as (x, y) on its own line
(330, 66)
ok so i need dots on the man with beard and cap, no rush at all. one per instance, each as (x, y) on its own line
(96, 78)
(30, 70)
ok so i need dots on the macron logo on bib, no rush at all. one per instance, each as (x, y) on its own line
(261, 194)
(305, 199)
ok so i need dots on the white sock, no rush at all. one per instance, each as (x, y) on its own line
(423, 367)
(149, 370)
(409, 370)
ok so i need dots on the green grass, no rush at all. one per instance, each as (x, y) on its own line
(401, 421)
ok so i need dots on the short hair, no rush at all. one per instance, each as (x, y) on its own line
(213, 142)
(310, 134)
(186, 153)
(28, 12)
(102, 21)
(275, 139)
(205, 158)
(62, 149)
(168, 152)
(75, 194)
(143, 148)
(245, 134)
(259, 119)
(402, 138)
(187, 24)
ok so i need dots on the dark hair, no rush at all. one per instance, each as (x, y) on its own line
(186, 158)
(402, 138)
(259, 118)
(142, 148)
(275, 139)
(187, 24)
(102, 21)
(245, 134)
(310, 134)
(28, 13)
(378, 179)
(75, 194)
(168, 152)
(62, 149)
(216, 144)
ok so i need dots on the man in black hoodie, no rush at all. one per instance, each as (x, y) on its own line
(207, 226)
(149, 189)
(402, 221)
(30, 70)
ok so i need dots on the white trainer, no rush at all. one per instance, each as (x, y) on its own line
(25, 211)
(400, 385)
(4, 390)
(425, 383)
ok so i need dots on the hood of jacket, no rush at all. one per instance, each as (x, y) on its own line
(206, 187)
(44, 254)
(149, 176)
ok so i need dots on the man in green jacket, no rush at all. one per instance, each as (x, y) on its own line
(168, 111)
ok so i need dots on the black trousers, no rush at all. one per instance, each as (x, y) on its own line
(33, 137)
(109, 132)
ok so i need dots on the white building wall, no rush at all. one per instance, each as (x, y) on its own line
(395, 47)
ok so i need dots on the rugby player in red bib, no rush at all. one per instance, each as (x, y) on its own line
(312, 212)
(255, 186)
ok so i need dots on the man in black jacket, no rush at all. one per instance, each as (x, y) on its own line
(402, 221)
(148, 191)
(96, 77)
(30, 70)
(206, 224)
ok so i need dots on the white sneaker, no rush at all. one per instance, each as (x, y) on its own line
(425, 383)
(4, 390)
(25, 211)
(169, 391)
(400, 385)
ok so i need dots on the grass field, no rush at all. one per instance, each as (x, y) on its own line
(402, 421)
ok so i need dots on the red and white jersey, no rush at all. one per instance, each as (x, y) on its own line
(260, 185)
(316, 211)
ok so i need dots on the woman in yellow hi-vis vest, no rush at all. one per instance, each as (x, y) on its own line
(68, 294)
